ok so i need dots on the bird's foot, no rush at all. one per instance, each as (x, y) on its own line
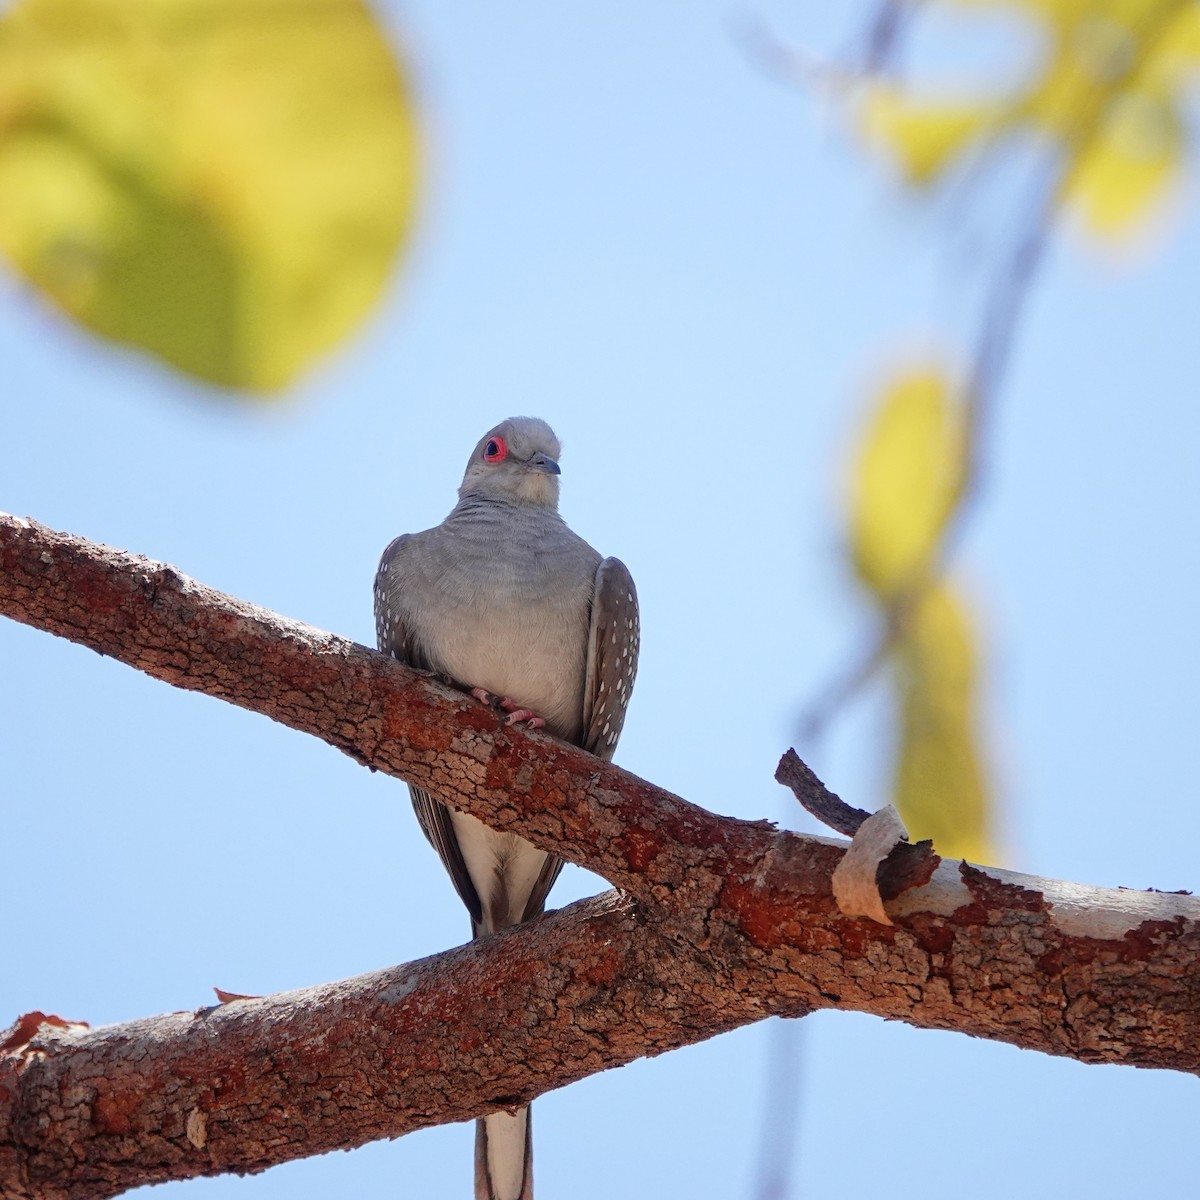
(523, 716)
(517, 714)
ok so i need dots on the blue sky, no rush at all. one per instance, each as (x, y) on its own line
(630, 230)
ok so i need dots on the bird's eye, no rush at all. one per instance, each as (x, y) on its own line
(496, 450)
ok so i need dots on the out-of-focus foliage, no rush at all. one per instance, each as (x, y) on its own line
(906, 484)
(1102, 104)
(1108, 96)
(923, 136)
(939, 783)
(225, 183)
(907, 480)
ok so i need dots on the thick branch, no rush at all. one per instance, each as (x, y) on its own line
(733, 921)
(243, 1086)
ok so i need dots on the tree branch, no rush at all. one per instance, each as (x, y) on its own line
(724, 922)
(245, 1085)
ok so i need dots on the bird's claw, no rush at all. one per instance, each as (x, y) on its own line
(523, 716)
(517, 714)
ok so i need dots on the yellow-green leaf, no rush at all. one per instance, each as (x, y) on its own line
(1106, 95)
(907, 477)
(1178, 55)
(925, 137)
(1129, 166)
(225, 183)
(940, 787)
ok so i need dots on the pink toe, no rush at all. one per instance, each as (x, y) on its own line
(523, 716)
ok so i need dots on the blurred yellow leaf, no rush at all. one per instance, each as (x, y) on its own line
(1129, 166)
(1107, 92)
(225, 184)
(907, 477)
(925, 137)
(939, 779)
(1179, 47)
(1080, 72)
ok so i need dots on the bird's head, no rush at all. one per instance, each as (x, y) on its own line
(517, 461)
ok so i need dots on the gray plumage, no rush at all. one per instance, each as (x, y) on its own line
(503, 596)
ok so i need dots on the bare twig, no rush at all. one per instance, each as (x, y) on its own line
(816, 798)
(908, 865)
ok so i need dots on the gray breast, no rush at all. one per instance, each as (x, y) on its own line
(502, 602)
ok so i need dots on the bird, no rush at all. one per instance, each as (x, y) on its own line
(507, 602)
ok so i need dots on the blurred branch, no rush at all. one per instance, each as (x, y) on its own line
(884, 32)
(1011, 285)
(725, 922)
(997, 334)
(800, 68)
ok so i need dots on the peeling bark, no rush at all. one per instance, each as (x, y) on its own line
(723, 922)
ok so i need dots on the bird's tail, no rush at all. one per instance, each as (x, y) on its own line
(504, 1156)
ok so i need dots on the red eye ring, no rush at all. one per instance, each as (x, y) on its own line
(495, 450)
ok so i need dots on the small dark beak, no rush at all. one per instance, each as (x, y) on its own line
(545, 464)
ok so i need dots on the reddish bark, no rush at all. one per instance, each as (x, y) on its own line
(724, 922)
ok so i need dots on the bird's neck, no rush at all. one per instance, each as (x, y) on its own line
(476, 502)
